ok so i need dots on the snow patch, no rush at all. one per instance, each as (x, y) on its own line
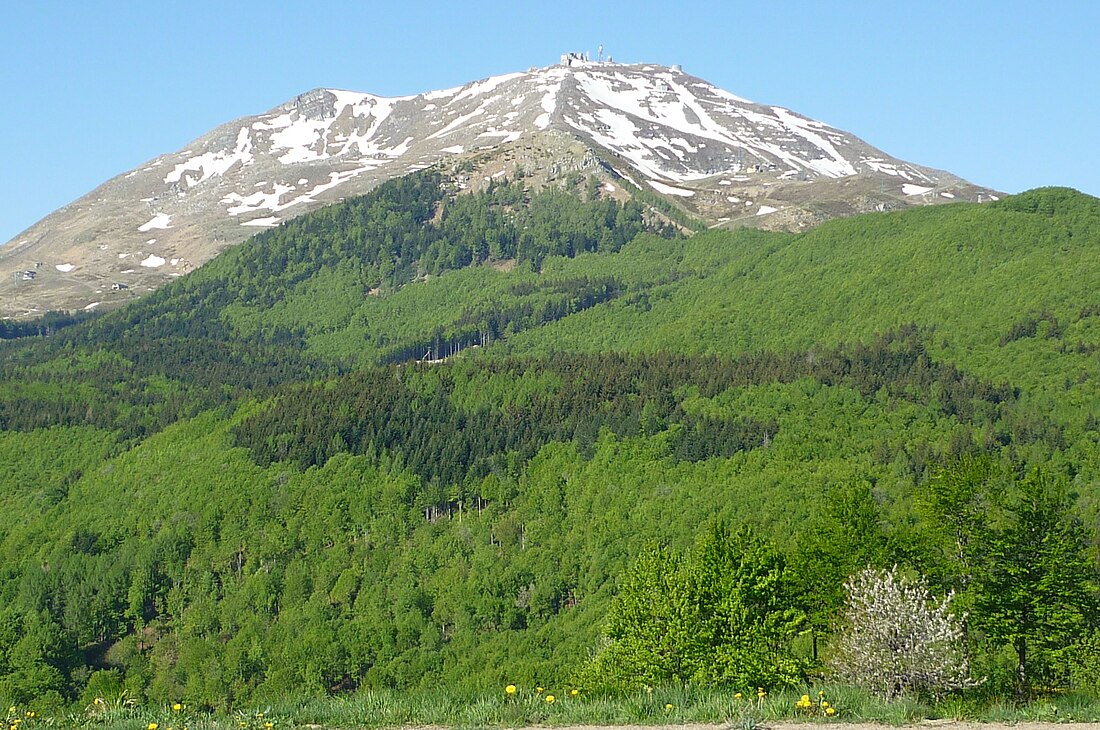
(669, 190)
(548, 103)
(214, 163)
(911, 189)
(91, 306)
(64, 268)
(833, 164)
(160, 220)
(152, 262)
(309, 140)
(441, 94)
(483, 87)
(258, 200)
(505, 135)
(454, 150)
(765, 209)
(946, 195)
(300, 140)
(457, 122)
(261, 222)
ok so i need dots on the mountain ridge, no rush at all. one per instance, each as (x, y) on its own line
(727, 160)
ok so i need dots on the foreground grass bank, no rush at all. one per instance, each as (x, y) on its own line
(563, 707)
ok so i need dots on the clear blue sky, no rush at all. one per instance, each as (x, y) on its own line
(1005, 94)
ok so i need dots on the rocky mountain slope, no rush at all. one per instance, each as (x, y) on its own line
(724, 159)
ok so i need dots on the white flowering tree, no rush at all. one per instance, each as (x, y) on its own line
(897, 639)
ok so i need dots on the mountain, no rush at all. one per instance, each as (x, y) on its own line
(725, 160)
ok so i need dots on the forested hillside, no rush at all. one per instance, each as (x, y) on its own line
(422, 437)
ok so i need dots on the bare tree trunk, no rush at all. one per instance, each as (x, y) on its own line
(1021, 668)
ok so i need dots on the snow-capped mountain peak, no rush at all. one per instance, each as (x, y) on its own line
(725, 158)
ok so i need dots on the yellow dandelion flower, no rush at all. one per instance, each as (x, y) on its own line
(824, 704)
(737, 696)
(668, 707)
(538, 689)
(574, 692)
(510, 689)
(177, 707)
(269, 725)
(550, 699)
(821, 693)
(153, 726)
(830, 711)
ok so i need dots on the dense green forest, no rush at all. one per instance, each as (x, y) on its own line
(422, 437)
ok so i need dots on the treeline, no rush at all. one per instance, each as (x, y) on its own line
(482, 325)
(135, 387)
(43, 326)
(438, 423)
(406, 228)
(412, 413)
(1067, 332)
